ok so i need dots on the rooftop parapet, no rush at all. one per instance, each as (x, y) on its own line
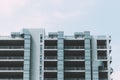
(78, 34)
(52, 34)
(15, 34)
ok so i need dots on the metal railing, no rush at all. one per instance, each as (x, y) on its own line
(50, 47)
(50, 57)
(11, 68)
(74, 57)
(50, 68)
(103, 79)
(101, 47)
(8, 57)
(66, 47)
(102, 57)
(74, 47)
(74, 68)
(103, 68)
(50, 79)
(74, 79)
(11, 47)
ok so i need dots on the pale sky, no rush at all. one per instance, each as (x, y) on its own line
(101, 17)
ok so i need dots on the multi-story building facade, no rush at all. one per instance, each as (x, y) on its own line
(32, 55)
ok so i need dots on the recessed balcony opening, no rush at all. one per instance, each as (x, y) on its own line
(104, 63)
(74, 44)
(74, 76)
(50, 68)
(50, 43)
(77, 66)
(102, 54)
(11, 57)
(101, 44)
(11, 53)
(74, 64)
(74, 69)
(11, 42)
(50, 64)
(11, 64)
(103, 75)
(102, 68)
(11, 75)
(50, 57)
(74, 53)
(50, 53)
(73, 57)
(50, 75)
(12, 45)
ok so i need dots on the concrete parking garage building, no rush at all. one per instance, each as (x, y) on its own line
(32, 55)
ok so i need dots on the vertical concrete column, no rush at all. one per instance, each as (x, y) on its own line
(60, 56)
(87, 55)
(27, 42)
(37, 56)
(42, 56)
(108, 58)
(95, 62)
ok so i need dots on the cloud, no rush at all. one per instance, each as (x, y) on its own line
(7, 7)
(116, 75)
